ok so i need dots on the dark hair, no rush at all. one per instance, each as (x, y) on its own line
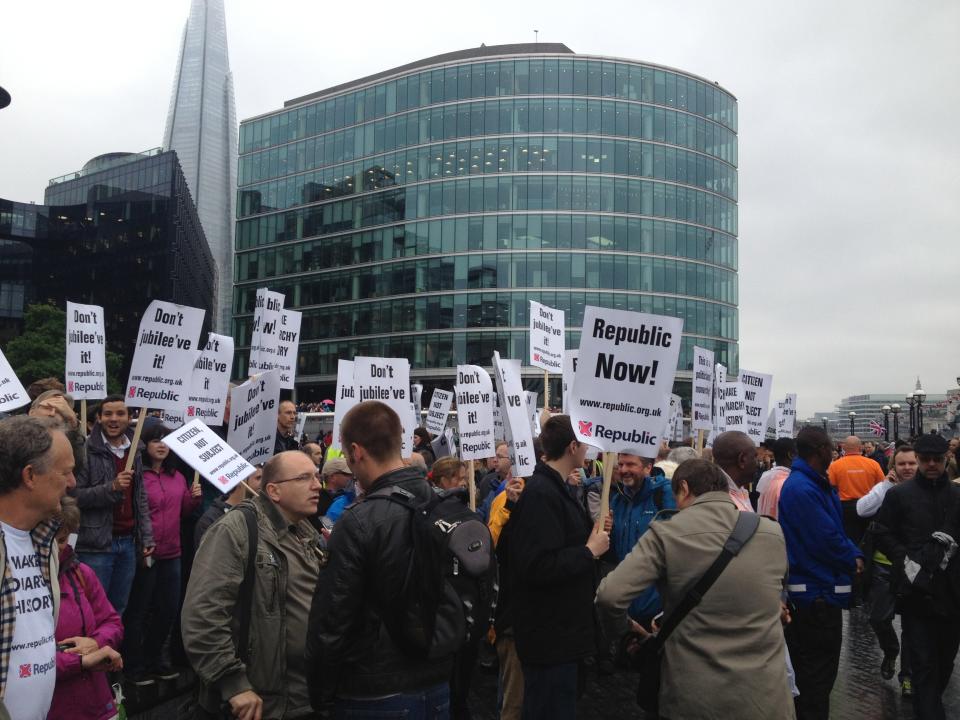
(37, 387)
(375, 427)
(810, 440)
(151, 433)
(701, 476)
(423, 434)
(24, 441)
(784, 450)
(556, 436)
(111, 399)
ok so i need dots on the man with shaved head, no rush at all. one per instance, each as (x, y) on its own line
(854, 475)
(736, 455)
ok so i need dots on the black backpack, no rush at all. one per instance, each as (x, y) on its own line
(449, 592)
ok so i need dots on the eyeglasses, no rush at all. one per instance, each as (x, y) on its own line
(503, 457)
(305, 477)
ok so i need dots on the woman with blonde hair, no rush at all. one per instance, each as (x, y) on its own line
(447, 473)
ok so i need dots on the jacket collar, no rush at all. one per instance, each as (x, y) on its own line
(714, 496)
(395, 477)
(277, 519)
(803, 467)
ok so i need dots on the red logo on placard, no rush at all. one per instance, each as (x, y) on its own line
(222, 480)
(586, 428)
(133, 391)
(536, 357)
(190, 410)
(70, 386)
(25, 670)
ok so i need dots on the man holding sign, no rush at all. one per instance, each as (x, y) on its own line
(116, 530)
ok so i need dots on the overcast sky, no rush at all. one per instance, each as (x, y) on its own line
(849, 138)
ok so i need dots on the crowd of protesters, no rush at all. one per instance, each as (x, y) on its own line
(726, 565)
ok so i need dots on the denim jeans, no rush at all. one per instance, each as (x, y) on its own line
(154, 602)
(430, 704)
(115, 570)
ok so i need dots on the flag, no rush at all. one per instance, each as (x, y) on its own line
(877, 429)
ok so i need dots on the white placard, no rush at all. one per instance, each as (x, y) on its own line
(498, 428)
(416, 398)
(621, 391)
(569, 370)
(756, 399)
(438, 411)
(265, 331)
(200, 448)
(547, 339)
(719, 407)
(345, 399)
(734, 415)
(787, 416)
(210, 382)
(288, 342)
(12, 392)
(701, 409)
(387, 380)
(253, 417)
(517, 424)
(163, 359)
(177, 417)
(674, 427)
(474, 393)
(85, 373)
(531, 398)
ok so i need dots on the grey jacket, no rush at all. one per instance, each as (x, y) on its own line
(726, 657)
(96, 497)
(210, 617)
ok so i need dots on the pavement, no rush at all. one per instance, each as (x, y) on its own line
(859, 693)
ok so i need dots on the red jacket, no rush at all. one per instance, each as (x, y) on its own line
(169, 499)
(84, 611)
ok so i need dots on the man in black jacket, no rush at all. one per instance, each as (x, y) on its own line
(918, 531)
(553, 555)
(355, 664)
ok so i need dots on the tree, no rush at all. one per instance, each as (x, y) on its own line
(41, 350)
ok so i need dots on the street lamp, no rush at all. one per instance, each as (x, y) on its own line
(920, 395)
(896, 422)
(913, 415)
(824, 421)
(886, 423)
(853, 417)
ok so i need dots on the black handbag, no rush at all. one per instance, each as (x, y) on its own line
(650, 653)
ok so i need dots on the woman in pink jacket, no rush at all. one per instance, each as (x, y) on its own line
(88, 635)
(156, 588)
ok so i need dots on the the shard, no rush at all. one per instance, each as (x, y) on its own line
(202, 128)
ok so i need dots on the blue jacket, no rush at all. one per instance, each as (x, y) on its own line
(341, 503)
(632, 513)
(821, 555)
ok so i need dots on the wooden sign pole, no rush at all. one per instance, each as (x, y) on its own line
(472, 485)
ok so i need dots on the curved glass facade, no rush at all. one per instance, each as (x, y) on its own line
(415, 213)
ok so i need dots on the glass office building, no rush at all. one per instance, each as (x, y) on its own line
(415, 212)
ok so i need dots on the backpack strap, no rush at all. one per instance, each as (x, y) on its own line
(746, 526)
(249, 575)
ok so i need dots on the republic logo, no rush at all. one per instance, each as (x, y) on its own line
(586, 428)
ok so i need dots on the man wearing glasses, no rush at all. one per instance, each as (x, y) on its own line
(266, 676)
(920, 526)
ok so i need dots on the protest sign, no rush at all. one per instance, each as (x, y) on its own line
(569, 370)
(416, 398)
(547, 340)
(439, 409)
(498, 429)
(701, 408)
(517, 424)
(210, 382)
(387, 380)
(674, 427)
(719, 406)
(288, 342)
(756, 399)
(735, 417)
(200, 448)
(474, 393)
(164, 355)
(253, 417)
(531, 400)
(12, 392)
(345, 399)
(621, 390)
(85, 371)
(265, 331)
(787, 416)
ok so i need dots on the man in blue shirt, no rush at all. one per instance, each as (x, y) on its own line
(822, 560)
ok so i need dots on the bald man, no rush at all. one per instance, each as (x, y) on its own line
(736, 455)
(854, 475)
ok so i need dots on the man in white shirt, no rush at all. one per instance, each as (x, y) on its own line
(36, 470)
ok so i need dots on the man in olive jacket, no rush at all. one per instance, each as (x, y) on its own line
(355, 664)
(271, 677)
(734, 634)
